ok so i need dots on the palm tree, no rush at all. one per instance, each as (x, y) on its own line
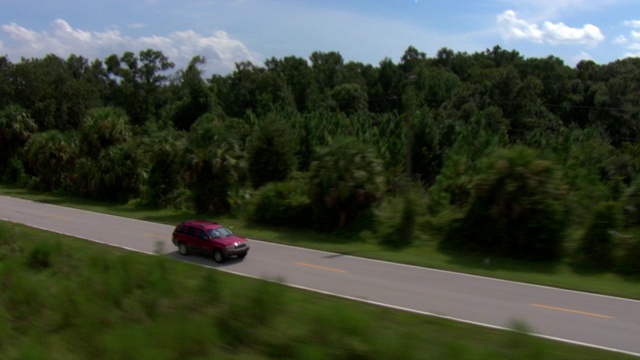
(271, 152)
(345, 181)
(102, 128)
(120, 172)
(162, 151)
(16, 127)
(211, 163)
(51, 156)
(517, 207)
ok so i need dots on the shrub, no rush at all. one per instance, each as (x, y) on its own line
(42, 255)
(16, 127)
(404, 214)
(102, 128)
(516, 210)
(345, 182)
(210, 164)
(114, 175)
(596, 249)
(50, 156)
(15, 172)
(5, 328)
(162, 181)
(8, 242)
(281, 204)
(631, 199)
(121, 174)
(350, 98)
(630, 259)
(271, 152)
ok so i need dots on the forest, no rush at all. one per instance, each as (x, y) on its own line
(488, 152)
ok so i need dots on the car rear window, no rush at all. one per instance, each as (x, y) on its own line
(180, 229)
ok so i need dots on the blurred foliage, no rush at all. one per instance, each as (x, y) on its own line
(66, 298)
(629, 260)
(597, 246)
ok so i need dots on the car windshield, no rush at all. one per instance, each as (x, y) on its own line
(219, 232)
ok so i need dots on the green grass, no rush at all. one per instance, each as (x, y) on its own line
(423, 253)
(67, 298)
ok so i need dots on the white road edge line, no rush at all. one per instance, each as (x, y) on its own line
(452, 272)
(364, 300)
(351, 256)
(419, 312)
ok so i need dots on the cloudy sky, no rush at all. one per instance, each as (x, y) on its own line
(229, 31)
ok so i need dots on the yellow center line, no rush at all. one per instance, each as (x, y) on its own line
(157, 236)
(572, 311)
(320, 267)
(58, 216)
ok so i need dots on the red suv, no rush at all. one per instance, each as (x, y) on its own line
(209, 237)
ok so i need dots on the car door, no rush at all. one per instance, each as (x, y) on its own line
(190, 237)
(204, 243)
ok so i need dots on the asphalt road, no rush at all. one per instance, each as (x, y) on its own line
(594, 320)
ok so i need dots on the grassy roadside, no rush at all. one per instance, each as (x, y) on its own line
(424, 253)
(66, 298)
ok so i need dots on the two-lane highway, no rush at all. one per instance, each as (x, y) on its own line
(593, 320)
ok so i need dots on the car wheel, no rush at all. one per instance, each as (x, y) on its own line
(218, 256)
(182, 248)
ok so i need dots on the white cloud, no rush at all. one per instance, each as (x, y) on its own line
(632, 43)
(634, 46)
(560, 33)
(19, 33)
(220, 50)
(632, 24)
(633, 53)
(541, 10)
(620, 40)
(581, 56)
(514, 28)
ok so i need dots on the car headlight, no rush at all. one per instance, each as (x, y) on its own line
(231, 247)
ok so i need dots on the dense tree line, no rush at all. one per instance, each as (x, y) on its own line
(504, 153)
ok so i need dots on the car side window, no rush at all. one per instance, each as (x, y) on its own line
(191, 231)
(202, 234)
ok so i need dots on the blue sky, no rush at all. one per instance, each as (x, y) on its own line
(229, 31)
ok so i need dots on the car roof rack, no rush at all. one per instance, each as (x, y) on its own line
(200, 222)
